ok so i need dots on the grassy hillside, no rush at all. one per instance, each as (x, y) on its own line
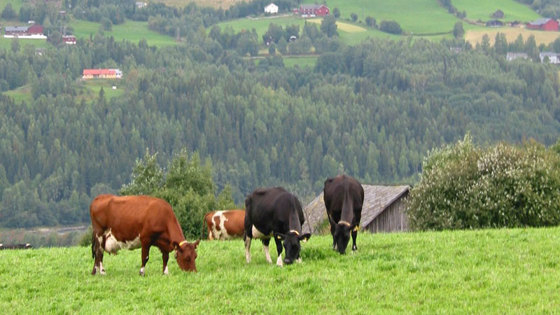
(415, 16)
(483, 10)
(488, 271)
(130, 30)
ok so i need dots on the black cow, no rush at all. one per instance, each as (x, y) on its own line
(344, 197)
(274, 212)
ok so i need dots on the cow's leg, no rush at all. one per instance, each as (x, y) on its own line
(145, 255)
(266, 242)
(333, 227)
(248, 249)
(354, 235)
(210, 234)
(279, 250)
(97, 250)
(165, 256)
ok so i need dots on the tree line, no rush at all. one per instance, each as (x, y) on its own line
(372, 110)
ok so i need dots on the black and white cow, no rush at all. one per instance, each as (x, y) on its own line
(344, 198)
(274, 212)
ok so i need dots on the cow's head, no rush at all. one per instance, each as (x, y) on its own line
(185, 253)
(341, 235)
(292, 244)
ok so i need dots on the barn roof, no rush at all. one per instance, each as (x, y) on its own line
(541, 21)
(376, 200)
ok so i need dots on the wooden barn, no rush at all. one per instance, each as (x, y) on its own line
(383, 210)
(543, 24)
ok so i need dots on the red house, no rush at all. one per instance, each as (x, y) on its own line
(69, 39)
(543, 24)
(102, 74)
(312, 10)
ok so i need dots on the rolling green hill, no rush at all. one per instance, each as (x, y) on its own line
(488, 271)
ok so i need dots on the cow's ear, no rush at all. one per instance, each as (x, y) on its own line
(279, 236)
(305, 237)
(195, 244)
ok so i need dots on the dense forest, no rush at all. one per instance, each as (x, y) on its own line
(372, 110)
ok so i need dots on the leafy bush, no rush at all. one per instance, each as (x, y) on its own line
(390, 27)
(463, 186)
(187, 186)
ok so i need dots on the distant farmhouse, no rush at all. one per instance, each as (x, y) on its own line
(271, 9)
(29, 32)
(383, 210)
(494, 23)
(102, 74)
(69, 39)
(543, 24)
(140, 4)
(312, 10)
(510, 56)
(550, 57)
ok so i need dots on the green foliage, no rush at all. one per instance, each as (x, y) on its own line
(390, 27)
(485, 271)
(458, 30)
(8, 13)
(463, 186)
(328, 26)
(187, 186)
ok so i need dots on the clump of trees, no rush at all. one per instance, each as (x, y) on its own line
(186, 184)
(390, 27)
(464, 186)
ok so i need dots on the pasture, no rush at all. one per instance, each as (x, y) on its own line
(485, 271)
(414, 16)
(132, 31)
(483, 10)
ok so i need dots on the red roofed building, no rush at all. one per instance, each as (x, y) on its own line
(312, 10)
(101, 74)
(69, 39)
(543, 24)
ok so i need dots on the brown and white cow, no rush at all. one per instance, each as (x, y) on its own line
(132, 222)
(225, 224)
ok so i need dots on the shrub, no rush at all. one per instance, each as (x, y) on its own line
(390, 27)
(501, 186)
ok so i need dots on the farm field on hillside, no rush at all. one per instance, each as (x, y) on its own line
(224, 4)
(414, 16)
(349, 33)
(486, 271)
(541, 37)
(483, 10)
(132, 31)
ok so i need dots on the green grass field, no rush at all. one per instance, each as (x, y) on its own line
(130, 30)
(414, 16)
(483, 10)
(489, 271)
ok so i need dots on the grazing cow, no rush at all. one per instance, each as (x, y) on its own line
(344, 197)
(16, 246)
(131, 222)
(274, 212)
(225, 224)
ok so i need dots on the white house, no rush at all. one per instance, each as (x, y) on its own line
(271, 9)
(552, 57)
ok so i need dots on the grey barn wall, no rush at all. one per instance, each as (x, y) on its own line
(393, 219)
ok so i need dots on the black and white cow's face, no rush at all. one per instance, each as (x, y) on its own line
(292, 246)
(342, 237)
